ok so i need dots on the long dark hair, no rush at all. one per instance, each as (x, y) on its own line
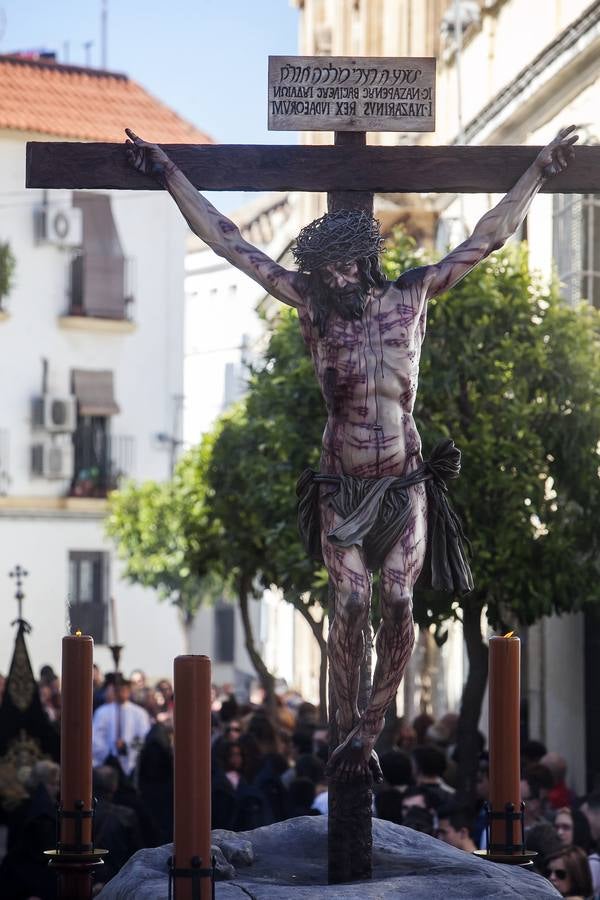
(577, 868)
(348, 303)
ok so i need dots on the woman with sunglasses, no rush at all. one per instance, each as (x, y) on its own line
(573, 828)
(568, 870)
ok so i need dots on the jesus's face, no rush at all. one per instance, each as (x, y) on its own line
(341, 275)
(344, 289)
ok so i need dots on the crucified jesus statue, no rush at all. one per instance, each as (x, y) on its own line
(375, 504)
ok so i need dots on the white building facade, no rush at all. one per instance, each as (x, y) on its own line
(224, 333)
(91, 350)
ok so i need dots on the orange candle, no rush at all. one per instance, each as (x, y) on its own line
(76, 735)
(505, 731)
(192, 769)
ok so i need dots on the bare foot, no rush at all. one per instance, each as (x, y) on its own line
(355, 759)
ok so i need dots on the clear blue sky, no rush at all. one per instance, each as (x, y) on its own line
(207, 59)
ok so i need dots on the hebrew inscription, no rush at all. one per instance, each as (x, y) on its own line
(317, 93)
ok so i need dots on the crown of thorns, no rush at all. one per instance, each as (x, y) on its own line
(342, 236)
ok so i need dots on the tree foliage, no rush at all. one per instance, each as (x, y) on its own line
(285, 399)
(167, 537)
(8, 265)
(513, 376)
(260, 448)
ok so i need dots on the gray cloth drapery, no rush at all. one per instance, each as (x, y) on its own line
(376, 511)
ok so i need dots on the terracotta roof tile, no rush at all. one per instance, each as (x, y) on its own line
(84, 104)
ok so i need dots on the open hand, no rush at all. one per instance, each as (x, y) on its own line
(559, 152)
(145, 157)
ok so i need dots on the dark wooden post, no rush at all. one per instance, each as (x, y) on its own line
(350, 199)
(350, 840)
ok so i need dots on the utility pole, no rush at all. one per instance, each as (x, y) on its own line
(104, 35)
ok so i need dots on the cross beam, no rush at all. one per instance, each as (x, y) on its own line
(233, 167)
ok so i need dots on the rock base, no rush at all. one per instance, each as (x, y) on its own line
(288, 861)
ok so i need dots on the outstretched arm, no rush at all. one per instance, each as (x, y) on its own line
(213, 227)
(497, 225)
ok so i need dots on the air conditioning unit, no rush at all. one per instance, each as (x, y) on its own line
(55, 414)
(60, 224)
(52, 460)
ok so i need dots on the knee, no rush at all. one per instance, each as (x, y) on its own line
(396, 607)
(353, 602)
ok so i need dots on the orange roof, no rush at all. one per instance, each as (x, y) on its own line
(84, 104)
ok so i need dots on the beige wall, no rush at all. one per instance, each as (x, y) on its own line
(370, 27)
(556, 690)
(510, 34)
(307, 660)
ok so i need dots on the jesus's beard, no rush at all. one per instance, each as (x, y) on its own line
(348, 302)
(327, 300)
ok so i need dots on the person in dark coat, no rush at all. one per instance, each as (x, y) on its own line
(302, 793)
(24, 871)
(225, 779)
(116, 827)
(155, 778)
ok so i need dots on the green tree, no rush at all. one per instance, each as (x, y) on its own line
(8, 265)
(229, 472)
(168, 540)
(285, 399)
(259, 449)
(513, 376)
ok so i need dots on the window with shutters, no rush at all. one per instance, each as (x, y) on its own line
(88, 593)
(100, 273)
(101, 458)
(92, 457)
(576, 246)
(224, 634)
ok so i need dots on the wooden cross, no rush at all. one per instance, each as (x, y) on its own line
(372, 94)
(348, 97)
(340, 94)
(351, 168)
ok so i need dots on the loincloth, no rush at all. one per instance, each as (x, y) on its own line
(376, 511)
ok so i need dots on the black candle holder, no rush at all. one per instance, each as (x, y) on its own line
(78, 815)
(75, 863)
(512, 849)
(195, 873)
(511, 817)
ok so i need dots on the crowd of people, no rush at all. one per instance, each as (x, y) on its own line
(269, 764)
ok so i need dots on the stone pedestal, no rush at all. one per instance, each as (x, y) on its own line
(288, 861)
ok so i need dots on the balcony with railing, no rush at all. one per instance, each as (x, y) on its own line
(102, 460)
(101, 287)
(576, 246)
